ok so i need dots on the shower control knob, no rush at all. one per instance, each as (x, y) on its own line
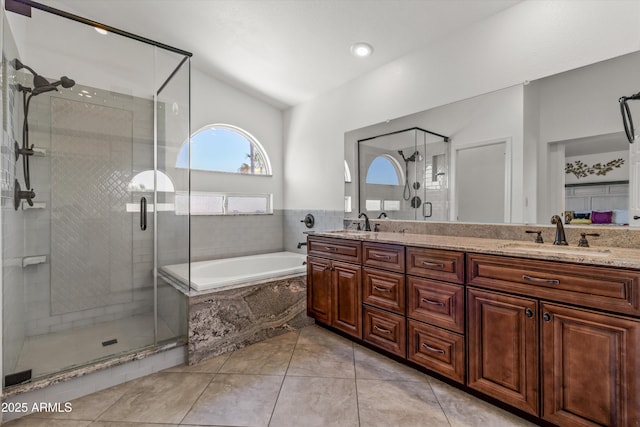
(308, 220)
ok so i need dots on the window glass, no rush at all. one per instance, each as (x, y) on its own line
(225, 148)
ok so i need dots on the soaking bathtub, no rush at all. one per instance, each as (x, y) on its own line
(228, 273)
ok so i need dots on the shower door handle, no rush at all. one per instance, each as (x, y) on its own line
(143, 213)
(424, 209)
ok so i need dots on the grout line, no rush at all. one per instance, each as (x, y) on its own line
(355, 381)
(446, 416)
(197, 398)
(283, 378)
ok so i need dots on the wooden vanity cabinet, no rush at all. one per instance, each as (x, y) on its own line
(585, 358)
(435, 311)
(503, 347)
(334, 286)
(589, 367)
(383, 297)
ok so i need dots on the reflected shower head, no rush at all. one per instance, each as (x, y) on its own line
(412, 158)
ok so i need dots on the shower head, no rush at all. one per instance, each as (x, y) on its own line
(64, 81)
(17, 65)
(41, 84)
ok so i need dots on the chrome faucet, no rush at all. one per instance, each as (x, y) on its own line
(367, 224)
(560, 237)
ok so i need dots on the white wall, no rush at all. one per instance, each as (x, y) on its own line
(486, 118)
(215, 102)
(531, 40)
(577, 105)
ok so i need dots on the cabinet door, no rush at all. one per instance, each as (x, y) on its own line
(589, 368)
(319, 289)
(346, 298)
(503, 347)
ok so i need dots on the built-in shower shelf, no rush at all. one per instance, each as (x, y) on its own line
(39, 152)
(36, 205)
(33, 260)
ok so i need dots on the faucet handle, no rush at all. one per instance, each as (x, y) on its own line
(583, 243)
(358, 224)
(376, 227)
(538, 237)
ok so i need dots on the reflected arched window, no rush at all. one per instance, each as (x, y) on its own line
(225, 148)
(143, 181)
(384, 170)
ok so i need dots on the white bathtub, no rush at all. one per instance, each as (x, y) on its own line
(231, 272)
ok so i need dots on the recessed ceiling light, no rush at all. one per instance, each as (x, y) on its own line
(361, 49)
(101, 31)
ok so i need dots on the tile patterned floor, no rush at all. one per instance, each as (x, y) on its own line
(307, 378)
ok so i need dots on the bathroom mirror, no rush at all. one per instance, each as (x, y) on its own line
(406, 175)
(513, 154)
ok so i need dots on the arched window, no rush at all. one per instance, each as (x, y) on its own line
(225, 148)
(384, 170)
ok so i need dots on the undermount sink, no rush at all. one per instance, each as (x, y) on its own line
(556, 249)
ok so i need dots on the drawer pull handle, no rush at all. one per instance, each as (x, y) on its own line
(539, 280)
(432, 264)
(330, 248)
(381, 289)
(441, 304)
(384, 331)
(387, 257)
(435, 350)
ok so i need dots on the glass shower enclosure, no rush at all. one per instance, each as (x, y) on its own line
(93, 120)
(404, 174)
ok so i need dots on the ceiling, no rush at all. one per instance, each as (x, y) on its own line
(288, 51)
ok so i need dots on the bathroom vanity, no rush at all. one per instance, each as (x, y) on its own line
(552, 332)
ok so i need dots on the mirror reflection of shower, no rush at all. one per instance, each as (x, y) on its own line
(406, 193)
(40, 85)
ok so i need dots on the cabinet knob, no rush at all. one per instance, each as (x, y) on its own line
(528, 312)
(546, 317)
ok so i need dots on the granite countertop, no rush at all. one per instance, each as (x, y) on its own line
(606, 256)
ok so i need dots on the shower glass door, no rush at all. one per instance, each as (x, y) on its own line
(80, 243)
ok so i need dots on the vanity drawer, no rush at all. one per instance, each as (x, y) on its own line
(436, 264)
(340, 249)
(602, 288)
(437, 303)
(385, 330)
(387, 257)
(383, 289)
(437, 349)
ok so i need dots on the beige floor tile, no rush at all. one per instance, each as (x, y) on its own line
(321, 402)
(259, 359)
(239, 400)
(289, 338)
(322, 361)
(43, 422)
(398, 404)
(159, 398)
(317, 335)
(464, 410)
(123, 424)
(209, 366)
(89, 407)
(374, 366)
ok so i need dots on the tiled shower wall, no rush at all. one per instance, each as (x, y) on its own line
(214, 237)
(13, 333)
(84, 230)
